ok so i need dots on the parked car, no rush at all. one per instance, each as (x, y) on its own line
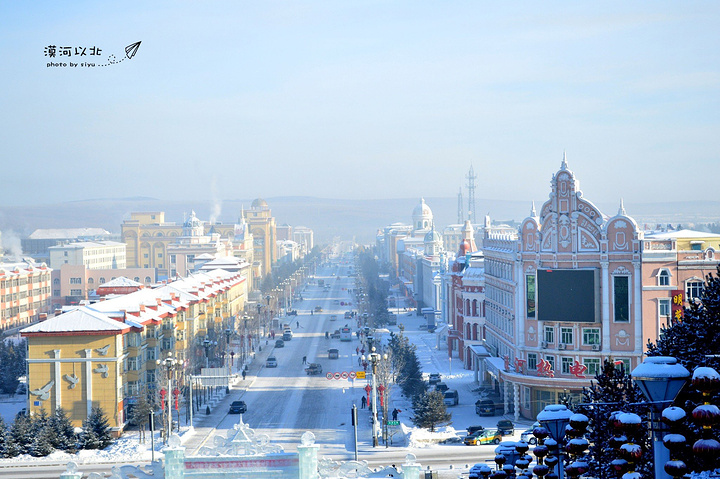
(442, 387)
(451, 397)
(527, 435)
(279, 343)
(271, 362)
(488, 407)
(433, 379)
(313, 369)
(486, 436)
(506, 427)
(238, 407)
(472, 429)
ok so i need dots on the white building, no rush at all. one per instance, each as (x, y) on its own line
(91, 254)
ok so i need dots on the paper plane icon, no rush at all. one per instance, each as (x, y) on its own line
(132, 49)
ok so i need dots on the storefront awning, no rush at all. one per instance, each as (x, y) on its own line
(494, 365)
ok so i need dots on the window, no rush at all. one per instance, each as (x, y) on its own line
(624, 363)
(696, 245)
(692, 289)
(551, 360)
(593, 366)
(591, 336)
(530, 291)
(526, 397)
(565, 364)
(621, 298)
(566, 336)
(76, 292)
(549, 334)
(75, 280)
(172, 259)
(91, 281)
(56, 281)
(664, 307)
(102, 280)
(532, 361)
(147, 279)
(56, 292)
(159, 255)
(136, 279)
(664, 278)
(64, 253)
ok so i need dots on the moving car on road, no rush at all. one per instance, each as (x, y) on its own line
(506, 427)
(486, 436)
(238, 407)
(271, 362)
(279, 343)
(434, 379)
(313, 369)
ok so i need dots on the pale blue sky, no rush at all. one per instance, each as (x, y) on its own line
(361, 99)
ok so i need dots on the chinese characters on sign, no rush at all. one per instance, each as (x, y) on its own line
(544, 368)
(678, 301)
(60, 56)
(520, 365)
(578, 369)
(53, 51)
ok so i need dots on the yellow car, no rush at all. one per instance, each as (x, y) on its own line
(486, 436)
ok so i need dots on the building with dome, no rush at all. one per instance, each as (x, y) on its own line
(262, 227)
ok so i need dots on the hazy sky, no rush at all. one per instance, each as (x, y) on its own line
(360, 99)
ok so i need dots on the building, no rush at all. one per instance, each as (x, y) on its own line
(91, 254)
(36, 245)
(674, 267)
(25, 294)
(303, 236)
(104, 354)
(284, 232)
(262, 227)
(562, 294)
(71, 284)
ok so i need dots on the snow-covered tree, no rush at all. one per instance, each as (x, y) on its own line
(4, 439)
(42, 440)
(12, 365)
(695, 341)
(21, 433)
(63, 433)
(612, 390)
(96, 431)
(140, 414)
(430, 411)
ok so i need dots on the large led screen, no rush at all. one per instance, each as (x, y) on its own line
(566, 295)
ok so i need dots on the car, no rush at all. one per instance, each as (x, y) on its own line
(442, 387)
(335, 334)
(472, 429)
(506, 427)
(318, 309)
(292, 312)
(528, 437)
(333, 317)
(313, 369)
(337, 301)
(279, 343)
(488, 407)
(238, 407)
(271, 362)
(433, 379)
(287, 336)
(451, 397)
(486, 436)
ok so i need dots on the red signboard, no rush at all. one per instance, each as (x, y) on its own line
(678, 303)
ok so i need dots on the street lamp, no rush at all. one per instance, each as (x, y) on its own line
(660, 378)
(555, 418)
(374, 359)
(207, 344)
(170, 363)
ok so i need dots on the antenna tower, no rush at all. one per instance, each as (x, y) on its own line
(471, 177)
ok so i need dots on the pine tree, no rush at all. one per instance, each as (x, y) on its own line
(612, 390)
(140, 414)
(21, 433)
(4, 436)
(430, 411)
(63, 435)
(690, 341)
(96, 430)
(41, 444)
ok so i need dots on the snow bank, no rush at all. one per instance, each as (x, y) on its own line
(419, 438)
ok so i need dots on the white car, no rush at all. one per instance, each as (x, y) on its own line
(271, 362)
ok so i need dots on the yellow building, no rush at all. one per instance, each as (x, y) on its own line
(262, 227)
(104, 354)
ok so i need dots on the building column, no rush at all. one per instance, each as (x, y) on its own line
(606, 286)
(516, 393)
(58, 384)
(506, 396)
(88, 381)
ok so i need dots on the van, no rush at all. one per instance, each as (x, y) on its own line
(287, 335)
(487, 407)
(451, 397)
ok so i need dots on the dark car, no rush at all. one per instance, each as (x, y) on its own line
(472, 429)
(292, 312)
(442, 387)
(279, 343)
(488, 407)
(506, 427)
(238, 407)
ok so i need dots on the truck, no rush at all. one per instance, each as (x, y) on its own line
(313, 369)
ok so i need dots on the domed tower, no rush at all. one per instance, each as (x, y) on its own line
(468, 235)
(433, 243)
(422, 217)
(193, 226)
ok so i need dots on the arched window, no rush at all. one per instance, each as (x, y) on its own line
(91, 281)
(474, 308)
(56, 281)
(102, 280)
(136, 279)
(664, 277)
(147, 279)
(467, 307)
(692, 289)
(710, 254)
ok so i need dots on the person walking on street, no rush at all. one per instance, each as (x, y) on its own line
(304, 359)
(363, 403)
(244, 374)
(297, 324)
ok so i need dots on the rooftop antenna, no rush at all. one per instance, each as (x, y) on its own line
(471, 177)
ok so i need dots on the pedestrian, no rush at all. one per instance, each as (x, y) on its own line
(357, 350)
(304, 359)
(363, 403)
(359, 360)
(244, 374)
(297, 324)
(394, 414)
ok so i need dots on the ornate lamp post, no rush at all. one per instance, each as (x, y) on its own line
(555, 418)
(374, 359)
(660, 378)
(207, 344)
(170, 363)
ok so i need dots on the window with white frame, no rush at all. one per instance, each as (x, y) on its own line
(566, 335)
(623, 363)
(565, 364)
(692, 289)
(551, 360)
(664, 307)
(664, 277)
(532, 361)
(549, 334)
(76, 292)
(591, 336)
(592, 365)
(621, 299)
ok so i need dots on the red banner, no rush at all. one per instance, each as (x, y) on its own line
(678, 303)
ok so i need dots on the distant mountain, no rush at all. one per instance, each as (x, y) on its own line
(328, 218)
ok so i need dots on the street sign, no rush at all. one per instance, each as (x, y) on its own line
(344, 375)
(360, 374)
(393, 423)
(336, 375)
(352, 374)
(329, 375)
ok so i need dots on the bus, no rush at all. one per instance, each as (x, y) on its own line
(346, 334)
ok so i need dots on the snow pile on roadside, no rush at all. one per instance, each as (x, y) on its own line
(419, 437)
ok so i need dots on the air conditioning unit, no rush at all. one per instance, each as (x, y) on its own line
(562, 346)
(543, 345)
(596, 347)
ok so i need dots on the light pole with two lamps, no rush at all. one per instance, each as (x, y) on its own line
(170, 364)
(374, 358)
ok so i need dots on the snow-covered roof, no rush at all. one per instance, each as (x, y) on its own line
(87, 244)
(120, 282)
(82, 319)
(685, 234)
(65, 233)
